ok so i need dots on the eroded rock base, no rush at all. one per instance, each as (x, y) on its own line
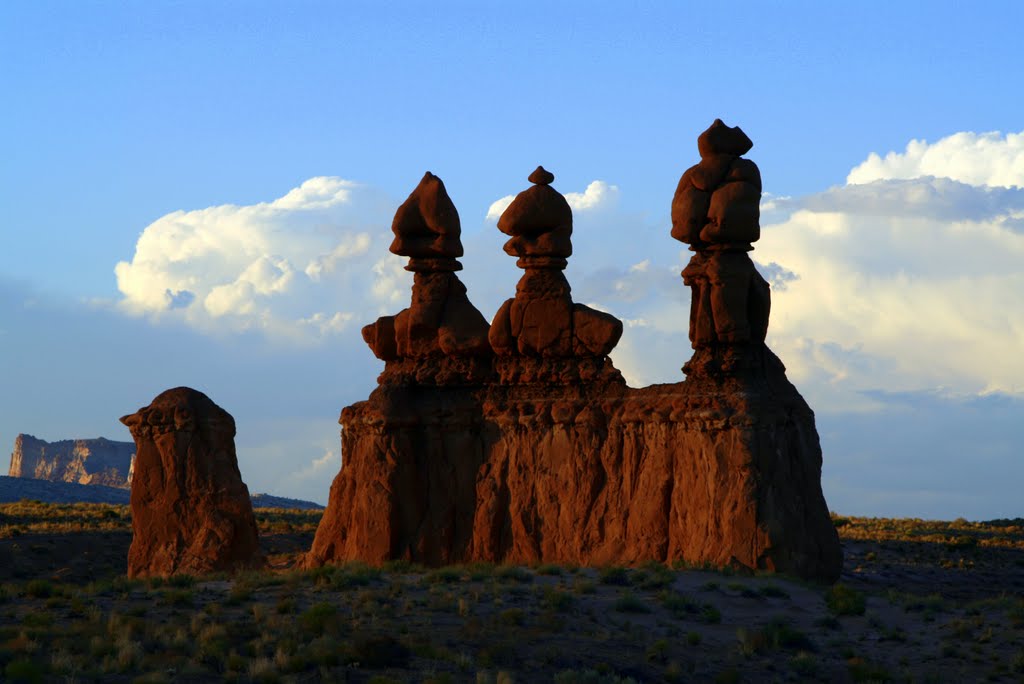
(722, 471)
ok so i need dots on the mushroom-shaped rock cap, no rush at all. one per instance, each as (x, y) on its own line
(720, 139)
(181, 408)
(427, 224)
(536, 210)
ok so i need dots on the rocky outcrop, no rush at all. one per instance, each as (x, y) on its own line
(551, 457)
(191, 512)
(81, 461)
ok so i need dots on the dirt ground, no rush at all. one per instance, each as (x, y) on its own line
(917, 602)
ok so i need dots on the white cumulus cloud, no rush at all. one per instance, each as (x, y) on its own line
(972, 158)
(300, 266)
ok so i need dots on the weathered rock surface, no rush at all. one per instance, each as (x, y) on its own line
(97, 461)
(551, 457)
(191, 512)
(601, 474)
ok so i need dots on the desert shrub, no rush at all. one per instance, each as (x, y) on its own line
(654, 576)
(38, 588)
(863, 671)
(710, 614)
(615, 576)
(657, 651)
(177, 597)
(590, 677)
(557, 599)
(630, 603)
(1015, 614)
(480, 571)
(379, 651)
(677, 604)
(354, 575)
(804, 664)
(23, 670)
(319, 617)
(777, 635)
(512, 617)
(772, 591)
(513, 573)
(843, 600)
(181, 581)
(549, 569)
(443, 576)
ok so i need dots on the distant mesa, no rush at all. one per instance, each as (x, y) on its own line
(88, 471)
(191, 512)
(81, 461)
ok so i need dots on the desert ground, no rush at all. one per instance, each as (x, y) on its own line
(919, 601)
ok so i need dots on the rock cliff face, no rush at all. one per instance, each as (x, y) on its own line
(540, 452)
(191, 512)
(81, 461)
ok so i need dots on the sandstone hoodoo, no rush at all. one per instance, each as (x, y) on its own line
(426, 342)
(549, 456)
(191, 512)
(542, 321)
(412, 449)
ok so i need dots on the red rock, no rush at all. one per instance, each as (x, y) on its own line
(720, 139)
(426, 225)
(191, 512)
(541, 321)
(419, 343)
(733, 215)
(539, 220)
(689, 210)
(549, 457)
(703, 472)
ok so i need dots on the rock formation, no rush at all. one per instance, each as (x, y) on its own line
(82, 461)
(441, 336)
(191, 512)
(716, 210)
(542, 321)
(551, 457)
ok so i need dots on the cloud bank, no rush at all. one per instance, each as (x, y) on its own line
(300, 267)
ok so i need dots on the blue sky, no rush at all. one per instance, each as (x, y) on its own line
(250, 155)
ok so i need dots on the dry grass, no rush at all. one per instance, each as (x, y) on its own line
(891, 619)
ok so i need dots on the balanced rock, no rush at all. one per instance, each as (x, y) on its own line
(716, 210)
(542, 320)
(441, 336)
(426, 225)
(191, 512)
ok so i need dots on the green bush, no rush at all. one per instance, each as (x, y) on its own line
(842, 600)
(630, 603)
(318, 617)
(615, 575)
(23, 670)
